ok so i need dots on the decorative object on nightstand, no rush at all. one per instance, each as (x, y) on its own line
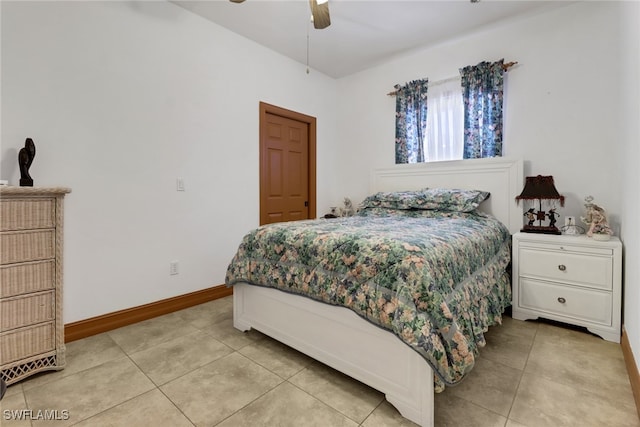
(25, 158)
(348, 209)
(333, 213)
(31, 323)
(540, 188)
(571, 279)
(596, 219)
(570, 228)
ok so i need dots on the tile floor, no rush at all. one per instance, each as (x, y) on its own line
(192, 368)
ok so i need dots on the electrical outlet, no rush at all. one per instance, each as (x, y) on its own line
(173, 268)
(179, 184)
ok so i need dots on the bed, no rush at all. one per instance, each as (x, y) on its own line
(378, 340)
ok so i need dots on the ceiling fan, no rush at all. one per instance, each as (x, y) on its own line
(319, 13)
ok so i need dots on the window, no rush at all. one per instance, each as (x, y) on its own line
(452, 119)
(429, 121)
(445, 122)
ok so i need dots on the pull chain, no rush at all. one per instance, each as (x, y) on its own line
(308, 25)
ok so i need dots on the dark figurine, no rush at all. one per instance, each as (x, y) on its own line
(530, 214)
(25, 158)
(552, 217)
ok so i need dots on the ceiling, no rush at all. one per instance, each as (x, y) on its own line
(363, 33)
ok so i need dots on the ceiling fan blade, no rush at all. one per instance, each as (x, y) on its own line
(320, 13)
(236, 1)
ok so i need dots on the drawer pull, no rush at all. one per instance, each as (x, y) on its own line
(561, 300)
(562, 267)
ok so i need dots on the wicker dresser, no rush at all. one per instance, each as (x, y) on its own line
(31, 324)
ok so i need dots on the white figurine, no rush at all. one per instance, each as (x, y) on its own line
(596, 219)
(348, 209)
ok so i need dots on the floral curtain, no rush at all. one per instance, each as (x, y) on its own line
(411, 121)
(482, 91)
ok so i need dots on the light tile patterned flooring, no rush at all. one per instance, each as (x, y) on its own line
(193, 368)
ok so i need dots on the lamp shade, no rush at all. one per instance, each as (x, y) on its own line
(540, 188)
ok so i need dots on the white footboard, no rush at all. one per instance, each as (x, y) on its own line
(339, 338)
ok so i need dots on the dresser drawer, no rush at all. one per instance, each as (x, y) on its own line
(576, 303)
(24, 246)
(26, 214)
(584, 269)
(18, 279)
(26, 342)
(27, 310)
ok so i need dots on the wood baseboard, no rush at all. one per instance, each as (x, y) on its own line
(632, 368)
(107, 322)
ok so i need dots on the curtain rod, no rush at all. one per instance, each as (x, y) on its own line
(505, 67)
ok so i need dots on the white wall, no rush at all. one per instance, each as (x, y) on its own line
(123, 98)
(571, 111)
(630, 159)
(561, 102)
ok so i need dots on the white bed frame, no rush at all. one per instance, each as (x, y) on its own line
(337, 337)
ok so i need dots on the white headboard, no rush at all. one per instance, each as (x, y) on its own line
(502, 177)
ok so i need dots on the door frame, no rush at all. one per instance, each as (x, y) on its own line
(311, 138)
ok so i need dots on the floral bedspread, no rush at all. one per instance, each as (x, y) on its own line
(435, 279)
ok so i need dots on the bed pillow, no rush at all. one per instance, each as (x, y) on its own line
(394, 199)
(415, 213)
(441, 199)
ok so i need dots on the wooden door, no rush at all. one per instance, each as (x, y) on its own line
(287, 165)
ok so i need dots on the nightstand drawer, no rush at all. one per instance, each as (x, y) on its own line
(590, 249)
(577, 303)
(577, 268)
(27, 310)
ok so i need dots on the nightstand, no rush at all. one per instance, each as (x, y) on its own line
(571, 279)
